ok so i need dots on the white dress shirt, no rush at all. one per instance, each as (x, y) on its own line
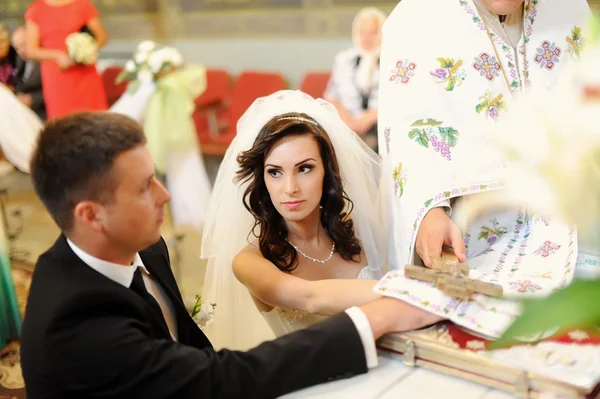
(123, 275)
(366, 335)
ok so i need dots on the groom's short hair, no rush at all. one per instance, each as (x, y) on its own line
(73, 160)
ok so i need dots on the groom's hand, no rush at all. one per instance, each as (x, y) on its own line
(435, 231)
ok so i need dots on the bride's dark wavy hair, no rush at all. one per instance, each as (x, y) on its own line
(270, 224)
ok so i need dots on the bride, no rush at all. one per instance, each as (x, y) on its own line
(305, 186)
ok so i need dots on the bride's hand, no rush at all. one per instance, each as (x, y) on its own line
(435, 231)
(387, 315)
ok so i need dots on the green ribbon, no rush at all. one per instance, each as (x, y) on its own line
(168, 122)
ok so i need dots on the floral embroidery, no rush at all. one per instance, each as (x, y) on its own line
(426, 131)
(403, 72)
(475, 345)
(467, 239)
(386, 133)
(578, 335)
(472, 189)
(492, 105)
(522, 249)
(547, 248)
(524, 286)
(575, 43)
(516, 233)
(450, 72)
(548, 54)
(491, 234)
(487, 65)
(399, 178)
(507, 51)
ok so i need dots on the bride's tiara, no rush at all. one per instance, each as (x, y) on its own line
(298, 118)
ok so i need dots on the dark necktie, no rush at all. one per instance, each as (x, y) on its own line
(137, 286)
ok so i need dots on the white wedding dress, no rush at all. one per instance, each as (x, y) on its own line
(19, 129)
(284, 321)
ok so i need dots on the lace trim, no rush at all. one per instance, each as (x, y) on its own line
(292, 314)
(366, 274)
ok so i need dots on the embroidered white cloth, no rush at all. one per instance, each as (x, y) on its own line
(443, 80)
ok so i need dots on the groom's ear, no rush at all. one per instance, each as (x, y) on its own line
(89, 214)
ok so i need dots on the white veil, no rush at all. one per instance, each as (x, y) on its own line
(237, 323)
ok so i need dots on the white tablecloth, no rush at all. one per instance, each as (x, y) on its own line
(393, 380)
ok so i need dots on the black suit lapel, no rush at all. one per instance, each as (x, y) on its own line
(87, 275)
(159, 268)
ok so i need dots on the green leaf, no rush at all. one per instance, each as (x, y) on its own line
(451, 83)
(426, 122)
(420, 136)
(483, 235)
(123, 76)
(446, 62)
(451, 138)
(428, 203)
(480, 107)
(575, 307)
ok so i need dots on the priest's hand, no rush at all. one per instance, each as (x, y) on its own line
(435, 231)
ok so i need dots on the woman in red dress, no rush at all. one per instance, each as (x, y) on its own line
(68, 87)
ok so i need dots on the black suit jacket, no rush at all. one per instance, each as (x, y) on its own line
(85, 336)
(31, 85)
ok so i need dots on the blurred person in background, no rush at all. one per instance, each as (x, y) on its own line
(353, 86)
(19, 125)
(7, 58)
(28, 78)
(68, 87)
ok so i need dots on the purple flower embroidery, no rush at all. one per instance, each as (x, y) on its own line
(492, 239)
(493, 112)
(440, 73)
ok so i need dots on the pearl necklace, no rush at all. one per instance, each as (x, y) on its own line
(310, 257)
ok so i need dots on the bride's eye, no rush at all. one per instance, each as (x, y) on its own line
(273, 172)
(305, 168)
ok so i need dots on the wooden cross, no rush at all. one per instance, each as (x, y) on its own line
(452, 277)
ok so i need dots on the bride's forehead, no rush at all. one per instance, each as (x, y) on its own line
(291, 148)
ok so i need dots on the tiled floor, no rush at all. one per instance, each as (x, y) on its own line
(36, 232)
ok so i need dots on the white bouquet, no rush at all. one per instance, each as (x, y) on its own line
(150, 60)
(203, 312)
(82, 48)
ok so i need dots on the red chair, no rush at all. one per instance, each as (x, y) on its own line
(211, 104)
(315, 83)
(113, 91)
(248, 87)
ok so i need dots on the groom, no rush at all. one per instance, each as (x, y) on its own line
(105, 318)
